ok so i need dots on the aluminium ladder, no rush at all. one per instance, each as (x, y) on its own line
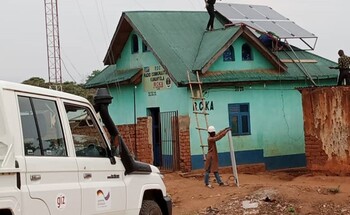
(200, 115)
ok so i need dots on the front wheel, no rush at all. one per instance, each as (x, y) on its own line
(150, 207)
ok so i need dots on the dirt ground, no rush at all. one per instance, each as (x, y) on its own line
(292, 192)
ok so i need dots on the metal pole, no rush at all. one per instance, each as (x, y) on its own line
(233, 158)
(135, 123)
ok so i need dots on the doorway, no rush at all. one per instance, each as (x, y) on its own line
(165, 134)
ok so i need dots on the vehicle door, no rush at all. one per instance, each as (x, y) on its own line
(51, 173)
(101, 178)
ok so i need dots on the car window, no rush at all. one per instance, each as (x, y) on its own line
(41, 127)
(87, 137)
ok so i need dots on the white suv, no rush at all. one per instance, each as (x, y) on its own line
(55, 158)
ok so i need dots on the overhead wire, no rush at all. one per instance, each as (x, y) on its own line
(101, 23)
(72, 65)
(87, 30)
(64, 65)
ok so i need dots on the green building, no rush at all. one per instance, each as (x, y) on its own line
(246, 85)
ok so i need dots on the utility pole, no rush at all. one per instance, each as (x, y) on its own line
(53, 44)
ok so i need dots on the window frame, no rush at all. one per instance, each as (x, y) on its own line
(240, 115)
(247, 48)
(135, 44)
(145, 47)
(106, 144)
(230, 50)
(38, 130)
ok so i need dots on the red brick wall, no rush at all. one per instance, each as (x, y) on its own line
(326, 127)
(144, 150)
(144, 139)
(128, 134)
(184, 139)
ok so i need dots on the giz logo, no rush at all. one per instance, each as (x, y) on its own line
(61, 201)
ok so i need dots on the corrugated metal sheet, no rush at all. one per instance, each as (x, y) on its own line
(327, 128)
(110, 75)
(174, 36)
(211, 43)
(181, 44)
(318, 69)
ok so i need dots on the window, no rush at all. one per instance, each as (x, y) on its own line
(41, 127)
(247, 54)
(229, 54)
(145, 47)
(135, 44)
(239, 118)
(87, 137)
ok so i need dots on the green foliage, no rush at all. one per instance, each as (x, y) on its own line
(93, 74)
(36, 81)
(291, 210)
(68, 86)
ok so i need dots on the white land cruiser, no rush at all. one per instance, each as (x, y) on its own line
(55, 158)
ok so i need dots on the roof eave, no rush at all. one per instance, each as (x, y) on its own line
(221, 51)
(264, 50)
(247, 34)
(121, 35)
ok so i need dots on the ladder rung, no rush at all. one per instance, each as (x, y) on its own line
(203, 129)
(199, 98)
(204, 145)
(195, 82)
(200, 112)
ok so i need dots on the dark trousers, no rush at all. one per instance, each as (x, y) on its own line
(210, 9)
(344, 75)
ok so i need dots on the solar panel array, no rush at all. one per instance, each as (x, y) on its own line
(262, 18)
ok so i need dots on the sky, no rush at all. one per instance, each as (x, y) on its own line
(87, 26)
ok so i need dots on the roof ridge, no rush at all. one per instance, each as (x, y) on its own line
(165, 11)
(198, 49)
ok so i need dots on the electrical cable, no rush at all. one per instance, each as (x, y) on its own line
(64, 65)
(87, 30)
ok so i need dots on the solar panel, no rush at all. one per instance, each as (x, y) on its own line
(262, 18)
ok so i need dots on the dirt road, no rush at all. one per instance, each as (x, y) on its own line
(292, 192)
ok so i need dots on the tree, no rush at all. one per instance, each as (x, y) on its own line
(68, 86)
(93, 74)
(36, 81)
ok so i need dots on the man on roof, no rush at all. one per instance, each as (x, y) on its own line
(343, 66)
(209, 5)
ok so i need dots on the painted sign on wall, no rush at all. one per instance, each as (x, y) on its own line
(155, 78)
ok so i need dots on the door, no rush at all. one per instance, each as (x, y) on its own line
(157, 147)
(165, 134)
(101, 181)
(51, 173)
(170, 141)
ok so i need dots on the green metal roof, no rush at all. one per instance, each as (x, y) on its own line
(317, 68)
(179, 41)
(175, 37)
(110, 76)
(211, 43)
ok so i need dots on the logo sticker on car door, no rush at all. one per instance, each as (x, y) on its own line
(103, 199)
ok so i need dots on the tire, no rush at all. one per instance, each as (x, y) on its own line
(150, 207)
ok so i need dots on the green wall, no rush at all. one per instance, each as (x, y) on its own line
(276, 119)
(258, 62)
(122, 107)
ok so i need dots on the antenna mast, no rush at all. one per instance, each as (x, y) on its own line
(53, 45)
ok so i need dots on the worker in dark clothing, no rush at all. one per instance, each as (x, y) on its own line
(209, 4)
(343, 66)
